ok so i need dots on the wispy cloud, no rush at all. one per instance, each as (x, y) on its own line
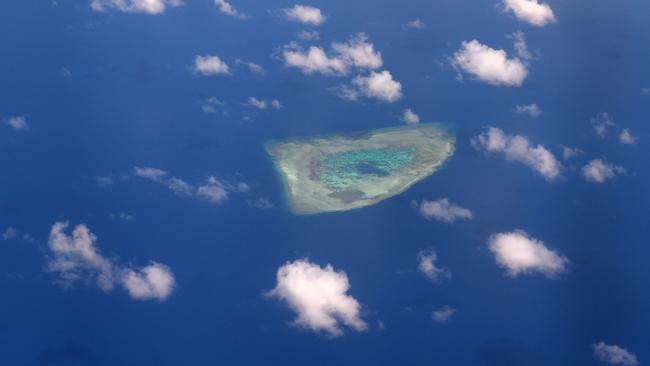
(18, 123)
(614, 355)
(600, 171)
(427, 265)
(532, 110)
(135, 6)
(227, 8)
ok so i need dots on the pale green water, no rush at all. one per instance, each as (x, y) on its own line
(344, 170)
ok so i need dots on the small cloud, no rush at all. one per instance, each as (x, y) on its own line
(568, 152)
(135, 6)
(10, 233)
(103, 182)
(261, 203)
(213, 191)
(519, 253)
(212, 105)
(263, 104)
(489, 65)
(415, 24)
(210, 65)
(410, 117)
(520, 45)
(150, 173)
(155, 281)
(226, 8)
(427, 265)
(443, 314)
(308, 36)
(645, 91)
(530, 11)
(123, 216)
(305, 14)
(253, 67)
(18, 123)
(318, 295)
(532, 110)
(614, 355)
(625, 137)
(601, 122)
(65, 73)
(600, 171)
(180, 187)
(443, 210)
(518, 148)
(378, 85)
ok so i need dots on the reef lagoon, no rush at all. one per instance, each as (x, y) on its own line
(344, 172)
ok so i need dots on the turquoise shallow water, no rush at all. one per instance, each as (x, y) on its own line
(341, 171)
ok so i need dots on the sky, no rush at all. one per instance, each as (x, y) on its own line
(142, 222)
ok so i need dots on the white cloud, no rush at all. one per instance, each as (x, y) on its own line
(415, 24)
(601, 122)
(568, 152)
(358, 52)
(308, 36)
(227, 8)
(150, 173)
(212, 105)
(427, 265)
(305, 14)
(599, 171)
(625, 137)
(10, 233)
(532, 110)
(155, 281)
(614, 355)
(263, 104)
(489, 65)
(135, 6)
(18, 123)
(261, 203)
(519, 253)
(210, 65)
(379, 85)
(213, 191)
(530, 11)
(518, 148)
(77, 258)
(180, 187)
(313, 60)
(645, 91)
(410, 117)
(520, 45)
(443, 315)
(318, 296)
(252, 66)
(103, 182)
(443, 210)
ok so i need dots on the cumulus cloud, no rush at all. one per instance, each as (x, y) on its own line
(519, 253)
(443, 210)
(530, 11)
(443, 315)
(213, 191)
(210, 65)
(135, 6)
(227, 8)
(318, 296)
(410, 117)
(263, 104)
(415, 24)
(600, 171)
(305, 14)
(77, 257)
(518, 148)
(625, 137)
(18, 123)
(601, 123)
(614, 355)
(489, 65)
(427, 265)
(569, 152)
(532, 110)
(358, 52)
(379, 85)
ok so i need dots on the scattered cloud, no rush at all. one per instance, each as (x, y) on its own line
(614, 355)
(645, 91)
(10, 233)
(520, 45)
(530, 11)
(263, 104)
(443, 314)
(518, 148)
(601, 122)
(261, 203)
(210, 65)
(410, 117)
(18, 123)
(358, 52)
(213, 191)
(532, 110)
(489, 65)
(568, 152)
(415, 24)
(226, 8)
(427, 265)
(600, 171)
(77, 257)
(123, 216)
(103, 182)
(150, 173)
(318, 296)
(443, 210)
(252, 66)
(305, 14)
(625, 137)
(308, 36)
(135, 6)
(212, 105)
(65, 73)
(519, 253)
(379, 85)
